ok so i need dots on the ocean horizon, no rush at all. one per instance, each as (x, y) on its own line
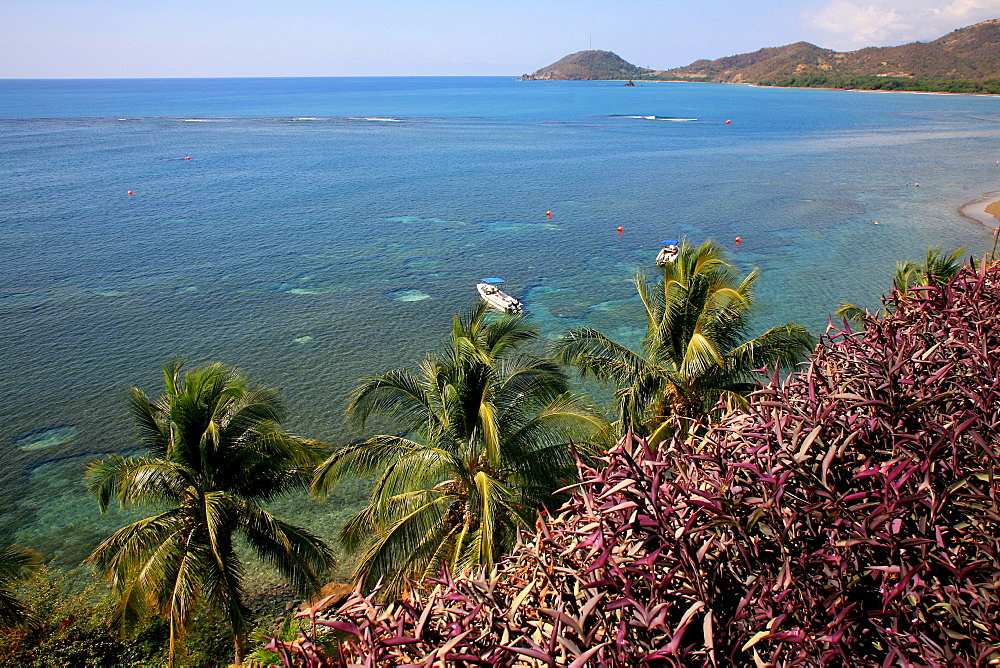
(312, 231)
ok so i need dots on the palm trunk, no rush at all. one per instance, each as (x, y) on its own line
(238, 655)
(170, 651)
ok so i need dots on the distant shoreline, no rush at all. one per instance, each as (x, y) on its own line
(639, 82)
(985, 210)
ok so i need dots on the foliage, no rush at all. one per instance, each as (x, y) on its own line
(485, 446)
(590, 65)
(71, 626)
(695, 349)
(861, 82)
(937, 269)
(215, 451)
(16, 565)
(848, 517)
(268, 629)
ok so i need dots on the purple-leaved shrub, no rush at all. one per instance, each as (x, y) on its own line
(849, 517)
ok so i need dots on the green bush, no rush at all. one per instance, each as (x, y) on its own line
(73, 628)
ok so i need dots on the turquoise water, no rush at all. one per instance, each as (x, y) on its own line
(324, 229)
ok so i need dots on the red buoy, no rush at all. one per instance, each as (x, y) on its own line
(728, 122)
(620, 229)
(129, 192)
(548, 214)
(739, 239)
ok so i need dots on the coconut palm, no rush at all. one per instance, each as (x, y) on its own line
(695, 349)
(214, 452)
(484, 444)
(937, 269)
(16, 565)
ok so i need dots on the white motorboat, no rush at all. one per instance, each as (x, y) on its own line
(491, 290)
(668, 254)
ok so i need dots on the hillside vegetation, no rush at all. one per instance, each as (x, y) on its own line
(587, 65)
(969, 55)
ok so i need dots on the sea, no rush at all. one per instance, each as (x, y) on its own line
(314, 231)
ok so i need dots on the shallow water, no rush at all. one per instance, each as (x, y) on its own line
(325, 229)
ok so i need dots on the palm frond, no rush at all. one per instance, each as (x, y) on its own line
(701, 355)
(295, 552)
(570, 417)
(489, 500)
(223, 584)
(149, 564)
(851, 313)
(137, 481)
(595, 354)
(359, 529)
(268, 463)
(117, 555)
(154, 433)
(361, 460)
(939, 268)
(422, 470)
(490, 428)
(781, 347)
(17, 564)
(518, 378)
(695, 348)
(397, 394)
(393, 552)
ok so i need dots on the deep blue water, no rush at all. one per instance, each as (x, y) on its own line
(325, 229)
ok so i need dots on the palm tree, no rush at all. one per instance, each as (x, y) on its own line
(484, 444)
(694, 351)
(215, 453)
(937, 269)
(16, 565)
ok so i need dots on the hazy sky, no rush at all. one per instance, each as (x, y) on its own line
(232, 38)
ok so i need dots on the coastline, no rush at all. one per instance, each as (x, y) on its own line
(985, 210)
(759, 85)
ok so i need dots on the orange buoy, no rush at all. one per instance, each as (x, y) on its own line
(548, 214)
(620, 229)
(739, 239)
(188, 158)
(728, 122)
(129, 192)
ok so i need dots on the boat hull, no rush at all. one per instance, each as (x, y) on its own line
(667, 256)
(498, 299)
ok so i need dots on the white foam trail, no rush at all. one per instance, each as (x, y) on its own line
(378, 119)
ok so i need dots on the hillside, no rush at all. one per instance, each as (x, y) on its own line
(587, 65)
(971, 53)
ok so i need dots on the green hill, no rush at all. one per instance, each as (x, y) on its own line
(588, 65)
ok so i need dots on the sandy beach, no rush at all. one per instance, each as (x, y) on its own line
(985, 210)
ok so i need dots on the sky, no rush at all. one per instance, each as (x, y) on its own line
(266, 38)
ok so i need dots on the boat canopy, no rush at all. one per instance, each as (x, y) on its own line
(670, 242)
(493, 280)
